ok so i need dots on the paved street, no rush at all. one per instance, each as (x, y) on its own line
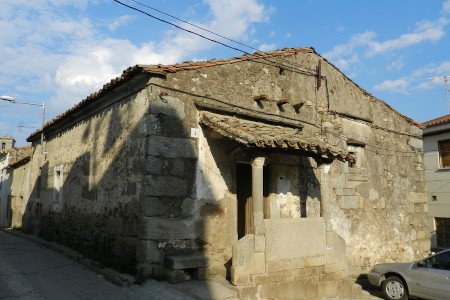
(31, 271)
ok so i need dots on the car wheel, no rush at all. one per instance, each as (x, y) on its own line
(394, 289)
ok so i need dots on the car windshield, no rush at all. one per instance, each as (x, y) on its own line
(439, 261)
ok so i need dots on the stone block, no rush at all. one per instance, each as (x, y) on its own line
(277, 266)
(186, 262)
(153, 165)
(418, 220)
(293, 289)
(177, 276)
(417, 197)
(352, 184)
(348, 202)
(357, 177)
(148, 252)
(421, 234)
(172, 147)
(177, 167)
(155, 228)
(260, 243)
(327, 289)
(311, 290)
(315, 261)
(239, 276)
(168, 186)
(331, 268)
(416, 143)
(269, 291)
(247, 292)
(153, 206)
(288, 239)
(144, 271)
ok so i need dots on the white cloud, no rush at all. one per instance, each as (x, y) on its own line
(50, 42)
(424, 31)
(424, 78)
(267, 47)
(347, 49)
(119, 22)
(366, 44)
(399, 85)
(446, 7)
(396, 65)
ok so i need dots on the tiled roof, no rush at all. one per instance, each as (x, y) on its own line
(165, 69)
(19, 154)
(262, 135)
(437, 121)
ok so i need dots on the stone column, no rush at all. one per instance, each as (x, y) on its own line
(257, 195)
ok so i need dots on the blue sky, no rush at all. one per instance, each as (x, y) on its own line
(60, 51)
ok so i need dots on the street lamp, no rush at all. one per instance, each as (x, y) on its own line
(13, 100)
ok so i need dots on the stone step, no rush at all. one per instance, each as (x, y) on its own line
(186, 262)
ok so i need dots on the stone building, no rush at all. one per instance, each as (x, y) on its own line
(6, 144)
(20, 169)
(274, 170)
(436, 140)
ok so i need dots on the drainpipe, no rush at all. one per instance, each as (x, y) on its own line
(257, 195)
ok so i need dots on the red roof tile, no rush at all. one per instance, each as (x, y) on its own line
(437, 121)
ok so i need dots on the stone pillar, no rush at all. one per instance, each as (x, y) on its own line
(257, 195)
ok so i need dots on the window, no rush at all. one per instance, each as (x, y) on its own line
(57, 188)
(444, 153)
(3, 146)
(439, 261)
(442, 232)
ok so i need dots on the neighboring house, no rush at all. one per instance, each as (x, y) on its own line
(20, 170)
(273, 169)
(6, 143)
(436, 138)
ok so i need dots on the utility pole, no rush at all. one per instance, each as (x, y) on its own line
(446, 86)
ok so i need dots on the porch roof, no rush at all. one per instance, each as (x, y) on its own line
(263, 135)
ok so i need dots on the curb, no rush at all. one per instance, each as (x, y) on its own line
(113, 276)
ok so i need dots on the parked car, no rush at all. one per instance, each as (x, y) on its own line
(428, 278)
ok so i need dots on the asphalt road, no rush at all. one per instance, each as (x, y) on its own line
(29, 270)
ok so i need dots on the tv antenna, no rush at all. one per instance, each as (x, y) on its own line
(446, 80)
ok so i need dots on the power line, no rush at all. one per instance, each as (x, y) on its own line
(193, 25)
(233, 48)
(291, 67)
(207, 30)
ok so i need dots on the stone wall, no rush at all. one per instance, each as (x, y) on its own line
(20, 192)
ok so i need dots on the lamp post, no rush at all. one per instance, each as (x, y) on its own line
(13, 100)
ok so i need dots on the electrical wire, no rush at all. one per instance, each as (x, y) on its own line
(239, 50)
(209, 31)
(292, 68)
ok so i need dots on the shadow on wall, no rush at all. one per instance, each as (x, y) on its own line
(129, 187)
(121, 192)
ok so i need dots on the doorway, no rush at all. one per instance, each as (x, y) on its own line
(244, 198)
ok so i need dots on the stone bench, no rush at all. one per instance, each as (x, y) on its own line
(197, 264)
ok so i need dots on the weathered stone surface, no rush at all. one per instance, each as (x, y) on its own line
(186, 262)
(349, 202)
(306, 237)
(165, 186)
(166, 228)
(417, 197)
(147, 252)
(315, 261)
(172, 147)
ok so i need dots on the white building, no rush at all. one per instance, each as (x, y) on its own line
(436, 137)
